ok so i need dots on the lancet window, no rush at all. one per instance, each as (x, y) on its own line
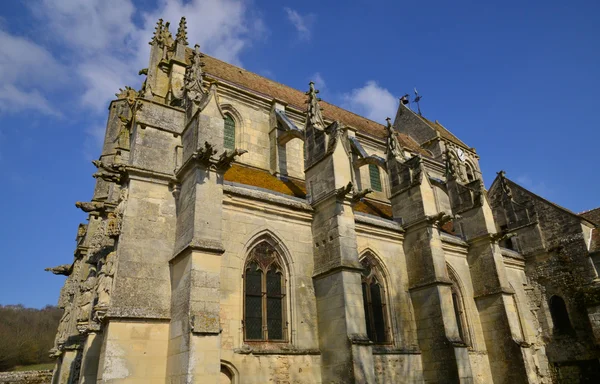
(229, 133)
(560, 316)
(459, 310)
(264, 295)
(374, 301)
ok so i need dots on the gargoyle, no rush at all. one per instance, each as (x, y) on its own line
(358, 195)
(227, 157)
(343, 191)
(499, 236)
(90, 206)
(204, 154)
(64, 269)
(441, 218)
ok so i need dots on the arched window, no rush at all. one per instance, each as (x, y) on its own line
(374, 301)
(470, 172)
(229, 133)
(264, 295)
(459, 309)
(375, 177)
(560, 316)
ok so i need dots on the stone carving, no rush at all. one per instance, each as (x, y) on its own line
(359, 195)
(163, 37)
(81, 230)
(63, 326)
(343, 191)
(110, 172)
(105, 280)
(193, 88)
(506, 191)
(115, 218)
(228, 157)
(313, 115)
(96, 242)
(93, 206)
(128, 94)
(64, 269)
(86, 295)
(393, 148)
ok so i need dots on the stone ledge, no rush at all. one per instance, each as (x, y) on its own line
(26, 377)
(248, 350)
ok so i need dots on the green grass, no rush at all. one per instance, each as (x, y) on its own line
(34, 367)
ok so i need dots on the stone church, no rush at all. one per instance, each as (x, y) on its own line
(242, 231)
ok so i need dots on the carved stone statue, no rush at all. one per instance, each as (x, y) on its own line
(313, 115)
(105, 280)
(393, 150)
(115, 219)
(86, 295)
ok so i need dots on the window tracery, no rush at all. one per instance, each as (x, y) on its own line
(264, 295)
(374, 301)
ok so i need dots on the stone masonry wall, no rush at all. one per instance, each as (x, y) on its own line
(26, 377)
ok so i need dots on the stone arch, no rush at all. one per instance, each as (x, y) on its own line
(461, 309)
(269, 236)
(560, 315)
(229, 374)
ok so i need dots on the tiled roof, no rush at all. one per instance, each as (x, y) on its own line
(374, 208)
(251, 81)
(592, 215)
(263, 179)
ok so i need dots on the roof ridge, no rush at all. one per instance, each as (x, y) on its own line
(296, 89)
(567, 210)
(589, 210)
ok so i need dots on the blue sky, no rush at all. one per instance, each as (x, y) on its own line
(517, 80)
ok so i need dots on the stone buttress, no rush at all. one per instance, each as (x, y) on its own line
(445, 356)
(345, 348)
(511, 359)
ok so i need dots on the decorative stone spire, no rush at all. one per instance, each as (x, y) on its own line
(182, 32)
(506, 192)
(158, 30)
(313, 113)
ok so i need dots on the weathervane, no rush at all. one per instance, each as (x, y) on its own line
(416, 100)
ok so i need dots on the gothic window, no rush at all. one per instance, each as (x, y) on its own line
(560, 316)
(264, 295)
(374, 301)
(229, 133)
(375, 176)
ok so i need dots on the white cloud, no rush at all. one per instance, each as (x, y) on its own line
(320, 83)
(14, 100)
(371, 101)
(27, 68)
(301, 23)
(103, 47)
(538, 187)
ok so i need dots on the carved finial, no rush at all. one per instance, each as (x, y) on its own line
(506, 191)
(193, 76)
(157, 32)
(313, 113)
(182, 32)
